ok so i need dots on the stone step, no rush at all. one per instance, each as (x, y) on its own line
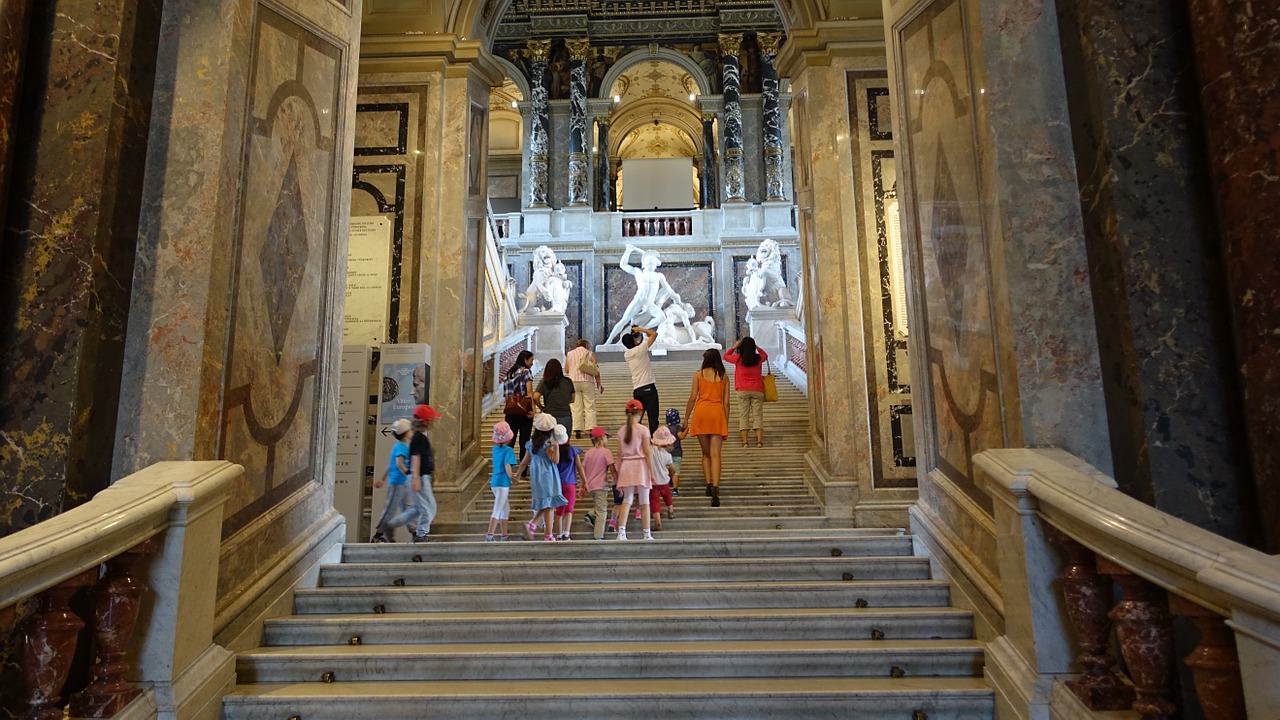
(580, 625)
(612, 660)
(619, 596)
(813, 545)
(728, 521)
(947, 698)
(790, 569)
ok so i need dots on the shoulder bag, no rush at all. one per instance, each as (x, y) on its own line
(770, 384)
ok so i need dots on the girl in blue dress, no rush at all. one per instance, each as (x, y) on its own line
(544, 477)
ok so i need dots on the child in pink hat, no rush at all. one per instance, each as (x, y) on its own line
(504, 462)
(662, 469)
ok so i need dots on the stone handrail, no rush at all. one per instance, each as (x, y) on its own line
(1047, 499)
(143, 548)
(793, 360)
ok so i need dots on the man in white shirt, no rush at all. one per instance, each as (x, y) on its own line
(645, 387)
(585, 388)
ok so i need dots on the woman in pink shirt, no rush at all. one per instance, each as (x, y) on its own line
(748, 382)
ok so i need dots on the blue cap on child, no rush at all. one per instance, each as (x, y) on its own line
(673, 416)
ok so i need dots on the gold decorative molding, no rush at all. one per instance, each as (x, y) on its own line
(730, 43)
(769, 42)
(578, 49)
(539, 50)
(708, 117)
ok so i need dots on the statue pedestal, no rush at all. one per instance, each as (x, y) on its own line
(777, 220)
(575, 224)
(548, 342)
(765, 329)
(537, 225)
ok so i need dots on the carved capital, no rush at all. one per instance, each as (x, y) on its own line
(578, 49)
(539, 50)
(730, 43)
(769, 43)
(708, 117)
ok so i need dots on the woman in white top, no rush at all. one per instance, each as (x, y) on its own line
(585, 387)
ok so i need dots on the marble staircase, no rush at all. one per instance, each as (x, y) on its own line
(760, 608)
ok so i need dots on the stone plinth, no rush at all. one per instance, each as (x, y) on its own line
(575, 223)
(548, 342)
(537, 225)
(765, 329)
(777, 219)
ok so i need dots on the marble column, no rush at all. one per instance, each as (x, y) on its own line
(67, 255)
(710, 181)
(15, 17)
(734, 166)
(775, 184)
(1236, 57)
(541, 123)
(579, 191)
(1163, 328)
(604, 178)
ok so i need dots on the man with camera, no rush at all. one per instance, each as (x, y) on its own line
(645, 387)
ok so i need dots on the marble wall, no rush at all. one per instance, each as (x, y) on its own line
(1177, 435)
(68, 246)
(235, 322)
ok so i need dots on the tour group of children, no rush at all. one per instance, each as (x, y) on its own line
(645, 472)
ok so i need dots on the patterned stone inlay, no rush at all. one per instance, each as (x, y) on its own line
(283, 258)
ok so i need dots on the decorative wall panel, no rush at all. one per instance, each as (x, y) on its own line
(283, 256)
(949, 239)
(876, 173)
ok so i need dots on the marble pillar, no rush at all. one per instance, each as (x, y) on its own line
(538, 170)
(774, 168)
(710, 179)
(67, 255)
(579, 191)
(734, 165)
(604, 176)
(1236, 57)
(1164, 336)
(15, 18)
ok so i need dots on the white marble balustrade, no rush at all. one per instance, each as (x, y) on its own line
(741, 222)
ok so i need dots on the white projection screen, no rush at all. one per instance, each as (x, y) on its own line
(657, 183)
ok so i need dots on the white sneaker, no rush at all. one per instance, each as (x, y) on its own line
(622, 535)
(648, 535)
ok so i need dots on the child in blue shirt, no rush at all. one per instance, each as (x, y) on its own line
(400, 506)
(504, 460)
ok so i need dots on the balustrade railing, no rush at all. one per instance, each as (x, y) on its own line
(1055, 511)
(133, 545)
(657, 226)
(498, 358)
(795, 360)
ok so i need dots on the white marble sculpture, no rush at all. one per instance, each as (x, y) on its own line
(764, 284)
(548, 292)
(656, 305)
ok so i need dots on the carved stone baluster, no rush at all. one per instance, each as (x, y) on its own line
(1214, 663)
(48, 647)
(1142, 624)
(116, 601)
(1088, 597)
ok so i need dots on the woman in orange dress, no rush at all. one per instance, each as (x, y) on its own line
(708, 414)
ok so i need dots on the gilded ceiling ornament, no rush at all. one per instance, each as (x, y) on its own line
(578, 49)
(769, 42)
(539, 50)
(730, 43)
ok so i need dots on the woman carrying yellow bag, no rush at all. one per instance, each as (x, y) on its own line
(750, 384)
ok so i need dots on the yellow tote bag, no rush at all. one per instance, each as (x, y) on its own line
(770, 384)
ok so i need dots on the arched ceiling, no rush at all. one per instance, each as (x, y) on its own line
(654, 79)
(657, 141)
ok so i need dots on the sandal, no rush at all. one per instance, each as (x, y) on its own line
(759, 444)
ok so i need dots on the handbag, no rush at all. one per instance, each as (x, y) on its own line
(770, 384)
(518, 405)
(586, 367)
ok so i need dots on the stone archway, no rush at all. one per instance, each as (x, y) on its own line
(631, 59)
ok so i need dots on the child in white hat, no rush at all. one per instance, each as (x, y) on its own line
(662, 468)
(400, 507)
